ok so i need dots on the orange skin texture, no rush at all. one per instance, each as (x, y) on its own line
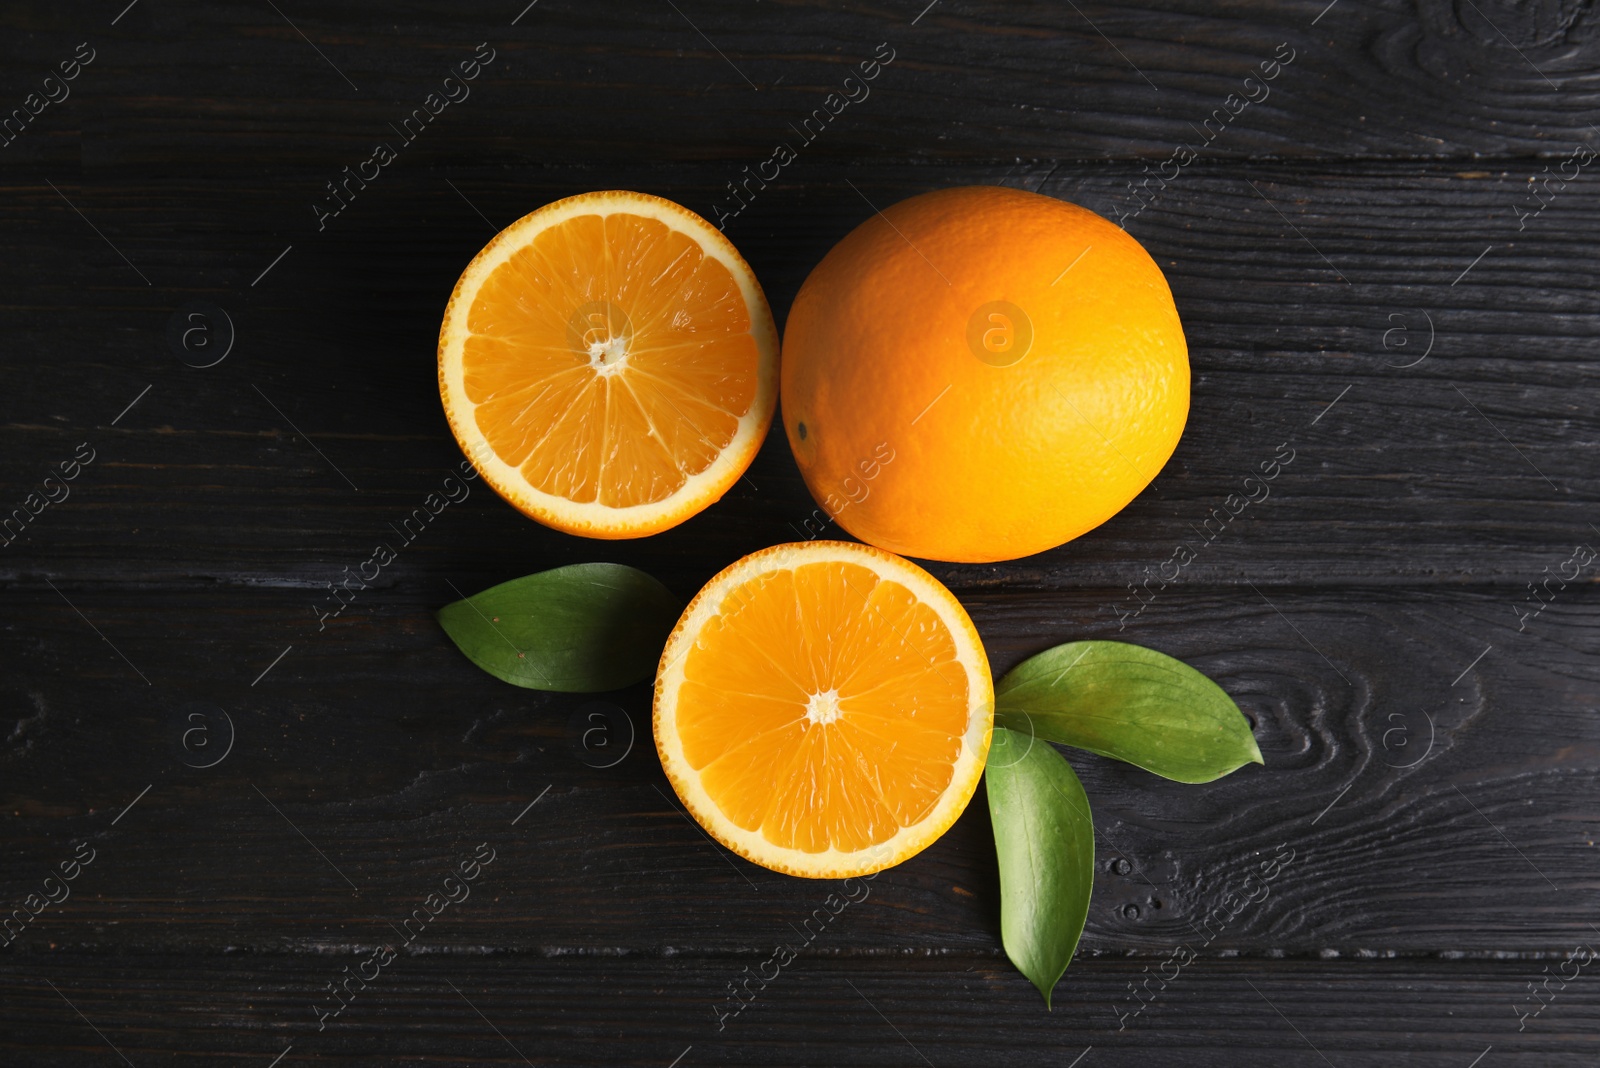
(988, 462)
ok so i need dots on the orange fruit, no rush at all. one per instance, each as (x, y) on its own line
(609, 364)
(824, 708)
(982, 373)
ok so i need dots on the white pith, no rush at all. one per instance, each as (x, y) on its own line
(823, 707)
(609, 356)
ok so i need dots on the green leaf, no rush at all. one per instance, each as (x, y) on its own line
(1128, 703)
(577, 629)
(1045, 840)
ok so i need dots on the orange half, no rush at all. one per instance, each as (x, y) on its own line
(824, 709)
(609, 364)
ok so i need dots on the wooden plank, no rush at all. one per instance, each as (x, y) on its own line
(910, 1009)
(1475, 465)
(237, 86)
(251, 803)
(1431, 772)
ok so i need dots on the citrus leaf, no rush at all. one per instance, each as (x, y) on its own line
(1044, 837)
(1128, 703)
(577, 629)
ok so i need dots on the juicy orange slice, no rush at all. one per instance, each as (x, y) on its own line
(824, 708)
(609, 363)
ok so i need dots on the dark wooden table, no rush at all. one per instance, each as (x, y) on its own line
(1385, 260)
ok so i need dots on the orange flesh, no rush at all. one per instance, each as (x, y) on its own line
(610, 360)
(825, 706)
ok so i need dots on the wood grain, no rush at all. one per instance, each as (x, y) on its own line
(1431, 741)
(387, 755)
(1476, 464)
(233, 86)
(514, 1009)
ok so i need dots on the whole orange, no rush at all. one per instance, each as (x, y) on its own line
(982, 373)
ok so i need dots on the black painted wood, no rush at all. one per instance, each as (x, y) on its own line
(232, 87)
(1433, 754)
(1476, 464)
(1397, 770)
(505, 1009)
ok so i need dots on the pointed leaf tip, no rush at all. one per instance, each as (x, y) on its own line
(1129, 703)
(582, 628)
(1044, 840)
